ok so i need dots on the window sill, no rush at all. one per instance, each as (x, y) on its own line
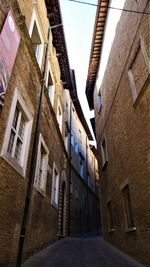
(54, 205)
(39, 190)
(11, 161)
(132, 229)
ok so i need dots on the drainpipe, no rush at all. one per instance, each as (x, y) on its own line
(69, 178)
(33, 158)
(87, 184)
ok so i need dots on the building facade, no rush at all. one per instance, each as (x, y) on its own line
(34, 161)
(84, 176)
(122, 122)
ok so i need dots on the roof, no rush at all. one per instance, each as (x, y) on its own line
(67, 75)
(96, 49)
(78, 108)
(55, 18)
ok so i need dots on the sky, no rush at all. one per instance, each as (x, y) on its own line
(78, 22)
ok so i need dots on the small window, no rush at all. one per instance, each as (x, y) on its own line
(80, 135)
(51, 89)
(55, 187)
(127, 207)
(104, 153)
(36, 38)
(50, 83)
(81, 166)
(15, 145)
(66, 139)
(17, 138)
(59, 115)
(41, 166)
(110, 216)
(140, 64)
(72, 139)
(76, 147)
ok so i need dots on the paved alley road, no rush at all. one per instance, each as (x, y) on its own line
(81, 251)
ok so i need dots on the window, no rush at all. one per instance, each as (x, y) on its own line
(76, 147)
(104, 153)
(81, 160)
(55, 187)
(17, 135)
(140, 64)
(17, 138)
(110, 216)
(127, 208)
(36, 37)
(80, 135)
(99, 102)
(67, 107)
(50, 84)
(59, 115)
(41, 166)
(72, 139)
(66, 139)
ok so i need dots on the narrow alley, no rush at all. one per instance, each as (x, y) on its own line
(74, 133)
(85, 250)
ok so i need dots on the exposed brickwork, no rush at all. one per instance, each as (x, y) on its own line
(42, 227)
(44, 223)
(126, 127)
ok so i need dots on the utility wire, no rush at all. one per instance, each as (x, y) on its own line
(110, 7)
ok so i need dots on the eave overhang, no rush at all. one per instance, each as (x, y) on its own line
(77, 105)
(96, 49)
(55, 18)
(67, 75)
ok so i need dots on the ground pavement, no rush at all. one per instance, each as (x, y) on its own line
(84, 250)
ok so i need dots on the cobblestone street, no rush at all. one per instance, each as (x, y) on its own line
(81, 251)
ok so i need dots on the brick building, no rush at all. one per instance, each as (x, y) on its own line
(84, 176)
(34, 162)
(122, 121)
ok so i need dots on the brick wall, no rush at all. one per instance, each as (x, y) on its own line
(43, 220)
(126, 127)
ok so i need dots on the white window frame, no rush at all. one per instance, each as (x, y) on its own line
(19, 167)
(141, 46)
(104, 153)
(51, 89)
(41, 188)
(35, 19)
(55, 190)
(59, 118)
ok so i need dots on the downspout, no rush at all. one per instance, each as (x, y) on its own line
(33, 161)
(87, 184)
(69, 178)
